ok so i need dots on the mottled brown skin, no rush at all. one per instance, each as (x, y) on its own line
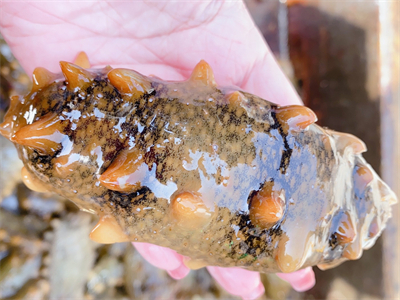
(180, 164)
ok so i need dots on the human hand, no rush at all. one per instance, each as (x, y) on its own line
(237, 281)
(165, 39)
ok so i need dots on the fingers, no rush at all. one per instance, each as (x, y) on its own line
(236, 281)
(260, 73)
(247, 284)
(239, 282)
(267, 80)
(109, 35)
(163, 258)
(301, 280)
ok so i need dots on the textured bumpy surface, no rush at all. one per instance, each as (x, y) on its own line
(219, 175)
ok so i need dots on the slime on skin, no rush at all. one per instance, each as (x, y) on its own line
(219, 175)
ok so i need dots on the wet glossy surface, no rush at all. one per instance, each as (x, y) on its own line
(221, 176)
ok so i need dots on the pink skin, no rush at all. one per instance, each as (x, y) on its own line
(166, 39)
(236, 281)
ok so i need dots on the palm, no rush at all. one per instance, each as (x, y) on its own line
(166, 40)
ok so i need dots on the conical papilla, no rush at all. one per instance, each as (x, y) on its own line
(203, 73)
(75, 76)
(129, 82)
(45, 135)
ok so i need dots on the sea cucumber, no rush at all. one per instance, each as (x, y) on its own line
(217, 174)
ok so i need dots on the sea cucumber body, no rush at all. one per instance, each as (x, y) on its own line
(183, 164)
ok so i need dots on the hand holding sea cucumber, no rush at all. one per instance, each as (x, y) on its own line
(166, 40)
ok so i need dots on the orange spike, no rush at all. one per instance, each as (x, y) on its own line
(345, 232)
(42, 78)
(76, 76)
(386, 193)
(12, 119)
(44, 135)
(287, 263)
(266, 207)
(235, 98)
(363, 177)
(130, 82)
(202, 72)
(82, 60)
(189, 210)
(32, 182)
(286, 260)
(345, 140)
(126, 172)
(295, 117)
(374, 228)
(353, 251)
(107, 69)
(108, 231)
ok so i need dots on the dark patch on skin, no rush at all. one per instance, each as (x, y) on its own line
(129, 201)
(254, 237)
(287, 153)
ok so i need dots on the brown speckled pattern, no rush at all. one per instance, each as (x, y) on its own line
(192, 139)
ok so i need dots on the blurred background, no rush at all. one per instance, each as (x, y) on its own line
(343, 58)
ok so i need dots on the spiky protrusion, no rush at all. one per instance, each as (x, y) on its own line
(82, 60)
(287, 258)
(75, 76)
(202, 72)
(235, 98)
(345, 232)
(9, 126)
(344, 140)
(108, 231)
(126, 172)
(374, 228)
(31, 182)
(353, 251)
(295, 117)
(44, 135)
(189, 210)
(129, 82)
(362, 178)
(386, 193)
(41, 78)
(346, 236)
(238, 101)
(266, 207)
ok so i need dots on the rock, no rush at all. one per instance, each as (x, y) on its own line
(16, 271)
(72, 255)
(10, 166)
